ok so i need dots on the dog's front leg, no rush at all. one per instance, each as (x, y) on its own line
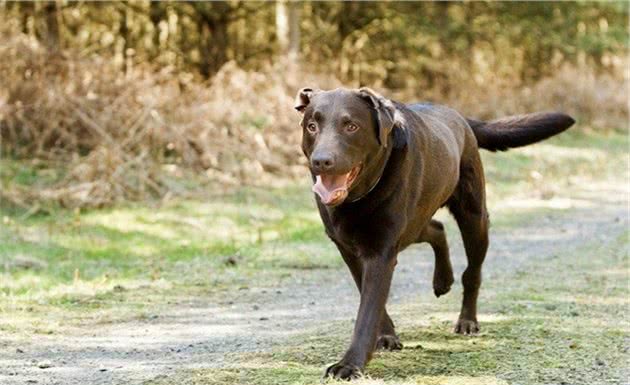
(376, 280)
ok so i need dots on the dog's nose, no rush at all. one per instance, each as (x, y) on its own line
(322, 162)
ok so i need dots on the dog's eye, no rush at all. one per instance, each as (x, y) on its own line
(312, 128)
(351, 127)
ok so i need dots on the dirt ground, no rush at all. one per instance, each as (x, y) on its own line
(207, 332)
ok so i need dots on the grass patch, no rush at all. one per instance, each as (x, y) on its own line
(118, 263)
(74, 260)
(567, 331)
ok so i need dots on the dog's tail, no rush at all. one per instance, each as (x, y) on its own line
(517, 131)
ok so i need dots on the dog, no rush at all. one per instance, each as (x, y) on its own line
(381, 169)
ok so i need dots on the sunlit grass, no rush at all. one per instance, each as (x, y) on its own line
(250, 237)
(80, 258)
(554, 336)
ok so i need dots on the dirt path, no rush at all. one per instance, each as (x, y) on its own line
(201, 333)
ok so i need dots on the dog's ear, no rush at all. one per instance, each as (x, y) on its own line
(303, 98)
(386, 114)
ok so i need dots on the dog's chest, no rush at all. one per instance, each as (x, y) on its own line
(362, 235)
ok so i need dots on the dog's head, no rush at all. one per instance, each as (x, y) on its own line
(344, 134)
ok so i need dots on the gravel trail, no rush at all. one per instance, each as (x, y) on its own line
(200, 333)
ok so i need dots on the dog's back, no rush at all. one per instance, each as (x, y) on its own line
(504, 133)
(439, 117)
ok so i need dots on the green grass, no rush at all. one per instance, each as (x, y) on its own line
(564, 164)
(536, 329)
(187, 246)
(119, 263)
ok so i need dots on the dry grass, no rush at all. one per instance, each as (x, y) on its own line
(119, 136)
(111, 136)
(599, 101)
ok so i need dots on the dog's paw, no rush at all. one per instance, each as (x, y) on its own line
(442, 284)
(466, 327)
(388, 342)
(342, 371)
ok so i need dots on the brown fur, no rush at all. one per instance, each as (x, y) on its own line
(415, 159)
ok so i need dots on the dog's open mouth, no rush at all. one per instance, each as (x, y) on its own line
(333, 188)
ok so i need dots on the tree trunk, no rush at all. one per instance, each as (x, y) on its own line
(213, 45)
(156, 14)
(51, 15)
(282, 26)
(213, 20)
(294, 32)
(27, 10)
(125, 15)
(288, 33)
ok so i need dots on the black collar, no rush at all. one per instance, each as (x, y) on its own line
(370, 190)
(398, 139)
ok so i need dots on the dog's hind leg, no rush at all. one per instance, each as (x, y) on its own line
(387, 338)
(435, 235)
(468, 206)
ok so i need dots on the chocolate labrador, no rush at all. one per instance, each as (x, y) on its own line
(381, 169)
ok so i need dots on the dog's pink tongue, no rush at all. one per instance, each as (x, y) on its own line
(330, 187)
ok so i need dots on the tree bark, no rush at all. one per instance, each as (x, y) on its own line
(282, 26)
(51, 14)
(27, 10)
(288, 33)
(213, 29)
(294, 32)
(156, 14)
(125, 15)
